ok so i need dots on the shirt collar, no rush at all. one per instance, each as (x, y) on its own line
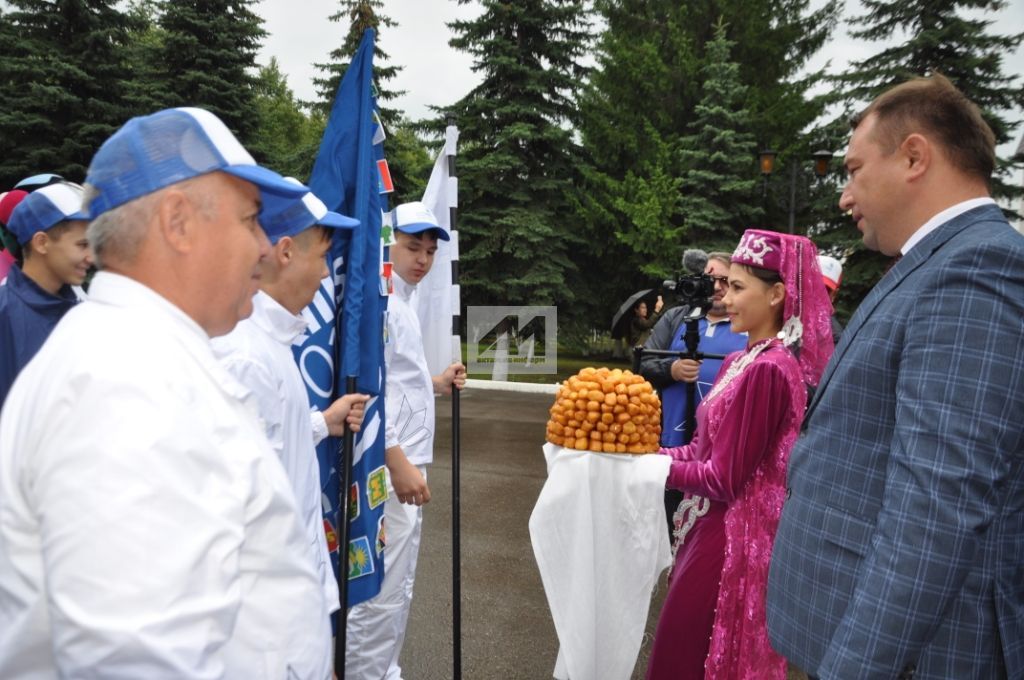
(34, 294)
(402, 288)
(943, 217)
(148, 306)
(269, 315)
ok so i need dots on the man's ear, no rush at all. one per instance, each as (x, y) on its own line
(283, 251)
(177, 220)
(918, 152)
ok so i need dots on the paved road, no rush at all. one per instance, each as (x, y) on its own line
(507, 632)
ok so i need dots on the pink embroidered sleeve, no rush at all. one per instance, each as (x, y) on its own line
(757, 403)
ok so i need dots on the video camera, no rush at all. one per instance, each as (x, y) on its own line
(692, 286)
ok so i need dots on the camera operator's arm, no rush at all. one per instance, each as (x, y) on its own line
(658, 369)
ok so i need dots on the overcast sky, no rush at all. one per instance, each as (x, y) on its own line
(435, 74)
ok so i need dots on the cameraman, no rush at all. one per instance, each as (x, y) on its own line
(669, 376)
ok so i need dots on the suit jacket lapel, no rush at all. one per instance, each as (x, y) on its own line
(917, 256)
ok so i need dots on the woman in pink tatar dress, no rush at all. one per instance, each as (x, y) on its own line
(712, 624)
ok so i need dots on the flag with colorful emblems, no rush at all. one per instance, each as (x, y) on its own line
(346, 322)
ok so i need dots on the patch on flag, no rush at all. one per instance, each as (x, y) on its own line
(376, 487)
(353, 501)
(381, 538)
(378, 130)
(384, 183)
(332, 536)
(359, 562)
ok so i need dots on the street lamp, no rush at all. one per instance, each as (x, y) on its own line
(766, 159)
(822, 159)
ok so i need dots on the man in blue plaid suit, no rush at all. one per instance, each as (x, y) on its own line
(901, 547)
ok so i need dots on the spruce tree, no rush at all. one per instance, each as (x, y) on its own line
(208, 59)
(516, 161)
(360, 15)
(718, 190)
(62, 84)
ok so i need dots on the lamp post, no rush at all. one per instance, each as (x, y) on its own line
(766, 160)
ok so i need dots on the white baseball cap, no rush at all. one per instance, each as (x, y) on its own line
(831, 271)
(414, 218)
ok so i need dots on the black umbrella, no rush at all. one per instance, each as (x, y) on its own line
(620, 322)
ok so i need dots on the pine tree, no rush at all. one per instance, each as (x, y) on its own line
(642, 99)
(361, 15)
(207, 58)
(62, 79)
(718, 195)
(516, 150)
(941, 38)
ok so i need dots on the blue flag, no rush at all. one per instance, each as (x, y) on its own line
(346, 323)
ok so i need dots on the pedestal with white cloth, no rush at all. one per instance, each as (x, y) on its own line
(598, 533)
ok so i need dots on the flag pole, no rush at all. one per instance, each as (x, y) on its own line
(345, 465)
(456, 443)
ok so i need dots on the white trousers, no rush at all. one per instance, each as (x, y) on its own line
(376, 628)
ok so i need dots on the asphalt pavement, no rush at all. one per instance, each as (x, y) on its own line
(507, 631)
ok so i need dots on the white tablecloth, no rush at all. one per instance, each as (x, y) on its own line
(600, 539)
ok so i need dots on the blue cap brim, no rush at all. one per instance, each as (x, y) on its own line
(337, 221)
(267, 180)
(420, 227)
(36, 181)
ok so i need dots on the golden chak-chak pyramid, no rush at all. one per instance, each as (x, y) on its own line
(606, 411)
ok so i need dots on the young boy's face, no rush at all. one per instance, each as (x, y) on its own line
(309, 262)
(68, 254)
(412, 255)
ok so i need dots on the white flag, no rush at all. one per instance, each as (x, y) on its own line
(438, 300)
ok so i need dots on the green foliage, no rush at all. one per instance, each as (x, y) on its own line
(361, 15)
(646, 195)
(207, 57)
(410, 163)
(62, 83)
(517, 156)
(286, 137)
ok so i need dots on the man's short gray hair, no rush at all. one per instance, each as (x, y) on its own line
(118, 233)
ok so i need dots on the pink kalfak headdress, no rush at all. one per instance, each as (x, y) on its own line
(807, 325)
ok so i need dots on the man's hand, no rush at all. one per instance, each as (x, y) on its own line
(658, 305)
(347, 409)
(453, 375)
(685, 370)
(406, 478)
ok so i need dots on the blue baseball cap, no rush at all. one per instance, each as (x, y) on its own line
(414, 218)
(282, 217)
(44, 209)
(151, 152)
